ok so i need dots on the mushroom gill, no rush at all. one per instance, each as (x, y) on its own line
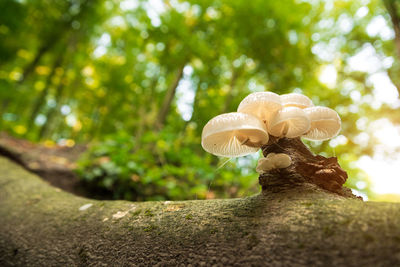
(233, 134)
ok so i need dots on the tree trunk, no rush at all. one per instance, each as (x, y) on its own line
(53, 112)
(292, 224)
(394, 15)
(40, 100)
(170, 94)
(60, 29)
(395, 18)
(3, 107)
(195, 105)
(31, 66)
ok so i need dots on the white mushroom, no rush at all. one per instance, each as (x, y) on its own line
(264, 165)
(264, 105)
(273, 161)
(282, 160)
(325, 123)
(233, 135)
(296, 100)
(289, 122)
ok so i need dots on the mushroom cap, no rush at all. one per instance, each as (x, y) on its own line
(261, 104)
(282, 160)
(273, 161)
(289, 122)
(233, 134)
(296, 100)
(325, 123)
(264, 165)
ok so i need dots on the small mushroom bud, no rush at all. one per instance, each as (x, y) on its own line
(290, 122)
(325, 123)
(263, 105)
(296, 100)
(273, 161)
(233, 135)
(282, 160)
(264, 165)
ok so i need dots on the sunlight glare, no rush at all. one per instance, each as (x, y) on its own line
(383, 167)
(186, 94)
(328, 76)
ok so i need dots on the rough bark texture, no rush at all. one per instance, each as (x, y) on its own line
(306, 167)
(287, 225)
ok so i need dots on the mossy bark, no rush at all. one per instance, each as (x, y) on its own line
(300, 225)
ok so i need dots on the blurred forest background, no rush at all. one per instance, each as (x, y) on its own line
(138, 80)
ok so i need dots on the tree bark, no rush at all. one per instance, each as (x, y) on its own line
(40, 100)
(53, 112)
(170, 94)
(394, 16)
(195, 105)
(61, 29)
(286, 225)
(305, 167)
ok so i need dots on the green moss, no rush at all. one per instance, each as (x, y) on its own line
(307, 204)
(213, 231)
(148, 213)
(136, 213)
(258, 227)
(150, 228)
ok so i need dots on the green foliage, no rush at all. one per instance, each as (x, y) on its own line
(161, 166)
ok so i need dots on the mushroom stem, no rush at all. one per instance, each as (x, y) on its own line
(305, 167)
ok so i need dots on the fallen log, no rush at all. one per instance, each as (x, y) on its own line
(297, 224)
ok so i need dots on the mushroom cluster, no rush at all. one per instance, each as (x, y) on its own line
(262, 114)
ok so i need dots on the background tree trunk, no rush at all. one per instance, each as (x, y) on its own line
(41, 98)
(395, 17)
(169, 97)
(392, 8)
(286, 225)
(53, 112)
